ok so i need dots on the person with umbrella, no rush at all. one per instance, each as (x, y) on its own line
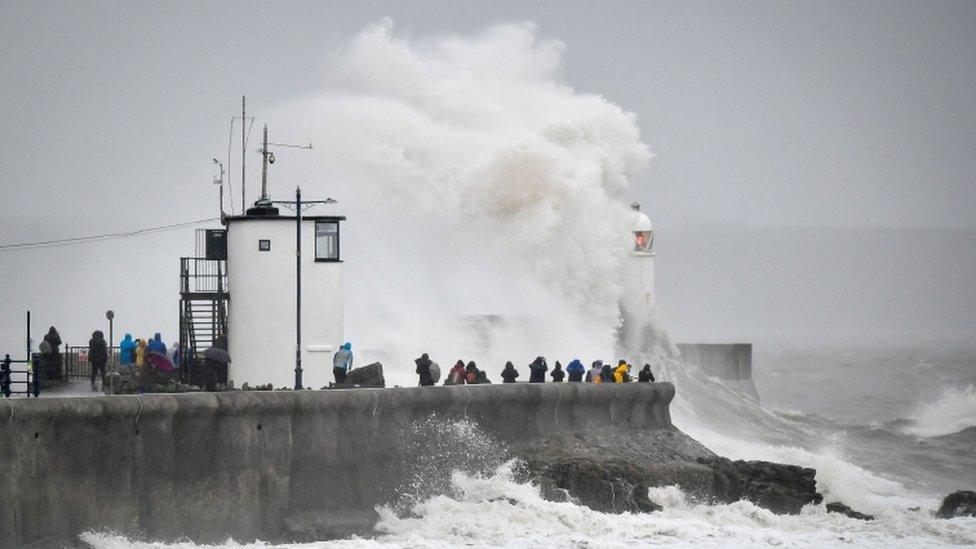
(215, 361)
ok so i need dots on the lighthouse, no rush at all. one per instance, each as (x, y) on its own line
(637, 298)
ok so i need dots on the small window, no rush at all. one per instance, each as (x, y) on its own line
(326, 241)
(643, 241)
(264, 245)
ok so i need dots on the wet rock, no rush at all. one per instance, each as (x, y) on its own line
(367, 376)
(838, 507)
(608, 487)
(958, 504)
(782, 489)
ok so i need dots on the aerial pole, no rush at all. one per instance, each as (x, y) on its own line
(243, 152)
(266, 156)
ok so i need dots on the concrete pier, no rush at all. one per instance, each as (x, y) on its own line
(243, 464)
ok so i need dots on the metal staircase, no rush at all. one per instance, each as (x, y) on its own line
(203, 309)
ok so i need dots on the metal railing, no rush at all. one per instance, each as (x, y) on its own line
(10, 378)
(76, 362)
(202, 275)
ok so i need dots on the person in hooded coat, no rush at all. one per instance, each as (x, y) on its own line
(471, 373)
(622, 373)
(156, 345)
(537, 370)
(575, 370)
(51, 367)
(456, 375)
(342, 362)
(483, 377)
(509, 374)
(593, 376)
(97, 355)
(127, 350)
(423, 370)
(557, 373)
(140, 352)
(645, 375)
(606, 374)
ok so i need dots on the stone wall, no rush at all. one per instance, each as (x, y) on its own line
(251, 464)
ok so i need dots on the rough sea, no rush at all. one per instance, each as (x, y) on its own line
(890, 432)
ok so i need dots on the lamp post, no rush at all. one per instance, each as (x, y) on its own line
(110, 315)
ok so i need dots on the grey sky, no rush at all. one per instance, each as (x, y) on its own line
(842, 114)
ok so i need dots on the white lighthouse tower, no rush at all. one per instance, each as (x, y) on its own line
(637, 299)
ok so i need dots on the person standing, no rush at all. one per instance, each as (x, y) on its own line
(593, 376)
(423, 370)
(557, 373)
(52, 359)
(140, 352)
(537, 370)
(645, 375)
(575, 370)
(509, 374)
(342, 363)
(622, 373)
(127, 350)
(97, 356)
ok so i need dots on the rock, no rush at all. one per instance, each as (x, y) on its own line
(368, 376)
(838, 507)
(958, 504)
(609, 487)
(782, 489)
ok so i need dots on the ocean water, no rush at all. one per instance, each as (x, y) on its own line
(907, 444)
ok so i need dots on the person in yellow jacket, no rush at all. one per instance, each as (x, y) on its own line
(140, 352)
(622, 373)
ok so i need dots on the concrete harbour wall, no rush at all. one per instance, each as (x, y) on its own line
(730, 362)
(244, 464)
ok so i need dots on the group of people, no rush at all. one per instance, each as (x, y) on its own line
(428, 372)
(132, 351)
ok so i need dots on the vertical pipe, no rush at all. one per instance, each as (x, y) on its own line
(298, 289)
(28, 337)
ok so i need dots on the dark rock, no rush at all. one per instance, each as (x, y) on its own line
(838, 507)
(782, 489)
(609, 487)
(958, 504)
(368, 376)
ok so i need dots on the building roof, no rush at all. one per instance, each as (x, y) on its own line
(230, 218)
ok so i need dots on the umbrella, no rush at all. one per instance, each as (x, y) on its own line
(217, 354)
(160, 362)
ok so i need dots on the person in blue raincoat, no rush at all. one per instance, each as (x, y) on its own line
(575, 369)
(342, 362)
(127, 349)
(156, 345)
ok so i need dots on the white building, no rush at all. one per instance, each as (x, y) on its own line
(261, 282)
(637, 299)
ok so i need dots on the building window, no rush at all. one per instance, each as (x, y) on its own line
(326, 241)
(264, 245)
(643, 241)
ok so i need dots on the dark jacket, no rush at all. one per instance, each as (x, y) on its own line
(97, 349)
(423, 370)
(509, 374)
(53, 339)
(471, 373)
(606, 374)
(537, 370)
(645, 375)
(557, 373)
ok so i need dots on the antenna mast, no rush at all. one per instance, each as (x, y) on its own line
(243, 152)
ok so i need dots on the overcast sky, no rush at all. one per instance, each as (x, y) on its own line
(764, 114)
